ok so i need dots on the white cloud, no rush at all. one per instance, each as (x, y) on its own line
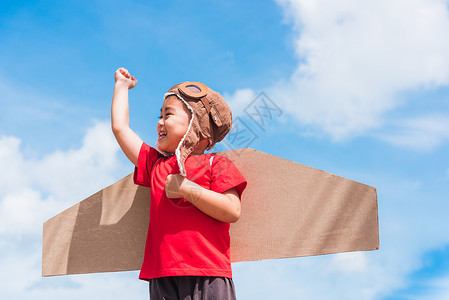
(355, 56)
(355, 59)
(20, 211)
(12, 164)
(83, 170)
(61, 171)
(33, 190)
(350, 262)
(437, 289)
(239, 100)
(421, 133)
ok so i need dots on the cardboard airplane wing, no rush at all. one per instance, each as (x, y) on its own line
(288, 210)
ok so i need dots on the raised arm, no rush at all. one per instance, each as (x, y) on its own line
(128, 140)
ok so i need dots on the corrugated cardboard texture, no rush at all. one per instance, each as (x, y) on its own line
(288, 210)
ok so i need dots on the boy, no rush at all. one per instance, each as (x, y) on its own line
(194, 196)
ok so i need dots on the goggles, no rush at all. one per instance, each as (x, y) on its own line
(195, 90)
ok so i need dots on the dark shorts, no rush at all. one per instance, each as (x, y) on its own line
(192, 288)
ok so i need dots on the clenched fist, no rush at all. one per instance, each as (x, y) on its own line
(173, 186)
(122, 76)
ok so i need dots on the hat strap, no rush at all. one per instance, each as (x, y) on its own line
(205, 104)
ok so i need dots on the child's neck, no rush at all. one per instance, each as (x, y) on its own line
(199, 150)
(195, 152)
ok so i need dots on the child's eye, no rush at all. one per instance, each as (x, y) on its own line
(166, 115)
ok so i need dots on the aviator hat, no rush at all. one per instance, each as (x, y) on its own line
(211, 118)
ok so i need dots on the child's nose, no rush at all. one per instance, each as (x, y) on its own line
(160, 125)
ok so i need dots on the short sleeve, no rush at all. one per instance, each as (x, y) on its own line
(225, 176)
(147, 157)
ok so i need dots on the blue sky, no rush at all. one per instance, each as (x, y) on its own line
(363, 87)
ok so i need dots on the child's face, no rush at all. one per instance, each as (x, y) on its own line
(173, 124)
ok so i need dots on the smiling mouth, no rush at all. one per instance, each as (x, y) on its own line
(162, 135)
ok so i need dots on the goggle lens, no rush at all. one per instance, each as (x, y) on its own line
(193, 90)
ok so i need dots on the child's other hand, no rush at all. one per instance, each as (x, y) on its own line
(122, 76)
(173, 186)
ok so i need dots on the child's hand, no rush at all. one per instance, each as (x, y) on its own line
(122, 76)
(173, 186)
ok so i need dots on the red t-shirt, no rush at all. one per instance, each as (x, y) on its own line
(182, 240)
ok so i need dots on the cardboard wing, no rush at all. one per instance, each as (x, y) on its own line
(288, 210)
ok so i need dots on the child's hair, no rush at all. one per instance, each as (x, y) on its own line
(211, 118)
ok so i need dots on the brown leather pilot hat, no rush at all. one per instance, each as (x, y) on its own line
(211, 118)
